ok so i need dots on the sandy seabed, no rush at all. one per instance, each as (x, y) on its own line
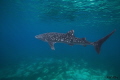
(53, 69)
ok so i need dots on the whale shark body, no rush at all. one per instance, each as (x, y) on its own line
(70, 39)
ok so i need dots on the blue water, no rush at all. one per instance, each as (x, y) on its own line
(21, 20)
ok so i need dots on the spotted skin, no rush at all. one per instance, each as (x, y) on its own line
(70, 39)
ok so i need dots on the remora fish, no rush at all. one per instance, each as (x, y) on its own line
(70, 39)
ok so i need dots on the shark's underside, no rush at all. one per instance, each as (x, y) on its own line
(70, 39)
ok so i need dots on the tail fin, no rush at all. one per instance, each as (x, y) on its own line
(99, 43)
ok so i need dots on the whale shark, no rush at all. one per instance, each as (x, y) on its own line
(70, 39)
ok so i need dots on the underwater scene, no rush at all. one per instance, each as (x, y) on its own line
(59, 39)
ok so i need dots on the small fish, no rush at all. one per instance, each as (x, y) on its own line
(70, 39)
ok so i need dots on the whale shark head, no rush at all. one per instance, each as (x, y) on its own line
(38, 37)
(56, 37)
(41, 37)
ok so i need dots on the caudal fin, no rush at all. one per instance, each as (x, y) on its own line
(99, 43)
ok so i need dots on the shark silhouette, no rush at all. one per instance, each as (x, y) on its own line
(70, 39)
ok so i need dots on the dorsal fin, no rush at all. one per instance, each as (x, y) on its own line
(71, 32)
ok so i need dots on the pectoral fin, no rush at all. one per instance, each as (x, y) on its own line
(51, 45)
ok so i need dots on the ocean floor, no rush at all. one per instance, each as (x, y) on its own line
(53, 69)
